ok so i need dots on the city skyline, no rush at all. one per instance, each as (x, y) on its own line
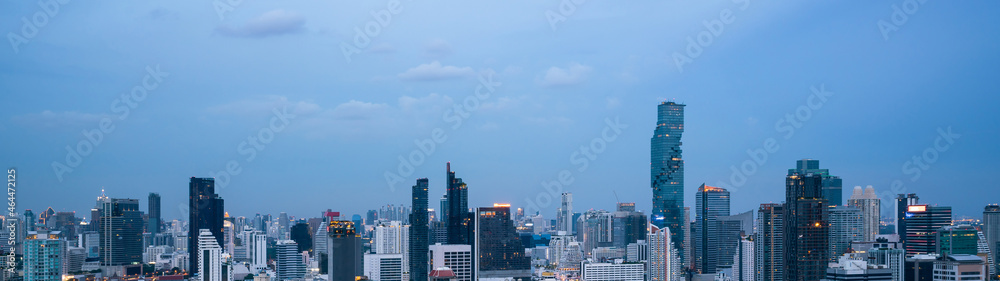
(526, 132)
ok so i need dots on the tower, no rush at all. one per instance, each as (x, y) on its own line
(667, 172)
(459, 218)
(419, 232)
(710, 204)
(871, 212)
(807, 227)
(206, 212)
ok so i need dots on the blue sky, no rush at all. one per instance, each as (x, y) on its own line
(558, 76)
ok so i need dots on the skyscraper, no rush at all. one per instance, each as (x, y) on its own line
(120, 228)
(629, 226)
(903, 201)
(991, 229)
(871, 211)
(667, 172)
(155, 221)
(743, 259)
(255, 244)
(845, 227)
(209, 258)
(289, 265)
(710, 204)
(729, 231)
(459, 218)
(957, 240)
(664, 263)
(565, 217)
(833, 190)
(43, 256)
(419, 232)
(498, 249)
(206, 211)
(344, 262)
(922, 224)
(807, 243)
(770, 242)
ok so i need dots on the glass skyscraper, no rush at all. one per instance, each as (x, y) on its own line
(710, 204)
(807, 228)
(419, 232)
(667, 172)
(206, 212)
(459, 219)
(833, 190)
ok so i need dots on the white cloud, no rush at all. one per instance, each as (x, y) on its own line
(435, 71)
(574, 74)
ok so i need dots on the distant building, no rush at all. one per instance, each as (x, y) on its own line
(155, 222)
(710, 204)
(120, 227)
(667, 172)
(743, 265)
(418, 239)
(613, 271)
(456, 257)
(206, 212)
(871, 211)
(770, 243)
(846, 226)
(922, 223)
(991, 229)
(289, 265)
(43, 256)
(832, 186)
(807, 226)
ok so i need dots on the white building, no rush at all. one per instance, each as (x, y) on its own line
(255, 243)
(663, 264)
(845, 227)
(638, 251)
(456, 257)
(743, 262)
(385, 267)
(289, 265)
(209, 257)
(153, 253)
(871, 214)
(557, 245)
(614, 271)
(391, 237)
(960, 267)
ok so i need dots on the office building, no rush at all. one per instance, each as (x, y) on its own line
(390, 237)
(729, 230)
(155, 222)
(710, 204)
(385, 267)
(637, 252)
(595, 228)
(456, 257)
(956, 240)
(856, 270)
(960, 267)
(769, 243)
(499, 253)
(43, 256)
(419, 233)
(991, 229)
(807, 227)
(564, 220)
(255, 245)
(344, 258)
(628, 226)
(667, 172)
(206, 211)
(613, 271)
(459, 219)
(903, 201)
(833, 190)
(289, 265)
(744, 268)
(871, 211)
(885, 253)
(920, 268)
(209, 257)
(120, 229)
(845, 227)
(922, 223)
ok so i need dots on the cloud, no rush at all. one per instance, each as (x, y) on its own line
(262, 106)
(272, 23)
(435, 71)
(49, 119)
(437, 48)
(574, 74)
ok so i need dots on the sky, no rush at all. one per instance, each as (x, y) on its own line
(303, 106)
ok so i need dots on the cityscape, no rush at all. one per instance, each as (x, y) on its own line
(473, 141)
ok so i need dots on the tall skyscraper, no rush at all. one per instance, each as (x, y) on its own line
(206, 211)
(629, 226)
(155, 221)
(43, 256)
(922, 224)
(903, 201)
(419, 232)
(564, 221)
(871, 211)
(595, 229)
(833, 190)
(729, 231)
(710, 204)
(807, 226)
(770, 242)
(444, 209)
(120, 228)
(667, 172)
(845, 227)
(289, 265)
(344, 258)
(991, 229)
(664, 263)
(209, 258)
(459, 218)
(498, 249)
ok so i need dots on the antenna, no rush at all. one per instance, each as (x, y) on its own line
(616, 197)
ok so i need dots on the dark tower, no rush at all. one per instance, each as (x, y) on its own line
(419, 232)
(807, 227)
(206, 212)
(459, 218)
(154, 214)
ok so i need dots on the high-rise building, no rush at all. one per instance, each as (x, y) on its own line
(807, 227)
(744, 268)
(155, 222)
(637, 252)
(459, 218)
(903, 201)
(957, 240)
(209, 257)
(920, 268)
(564, 221)
(871, 211)
(289, 265)
(729, 230)
(769, 254)
(444, 208)
(628, 226)
(664, 263)
(120, 228)
(499, 253)
(344, 258)
(885, 251)
(710, 204)
(255, 244)
(206, 211)
(419, 234)
(43, 256)
(390, 237)
(386, 267)
(65, 222)
(667, 172)
(833, 190)
(922, 223)
(845, 227)
(319, 243)
(595, 229)
(612, 271)
(457, 257)
(991, 229)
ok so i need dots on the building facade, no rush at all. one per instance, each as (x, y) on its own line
(667, 171)
(871, 211)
